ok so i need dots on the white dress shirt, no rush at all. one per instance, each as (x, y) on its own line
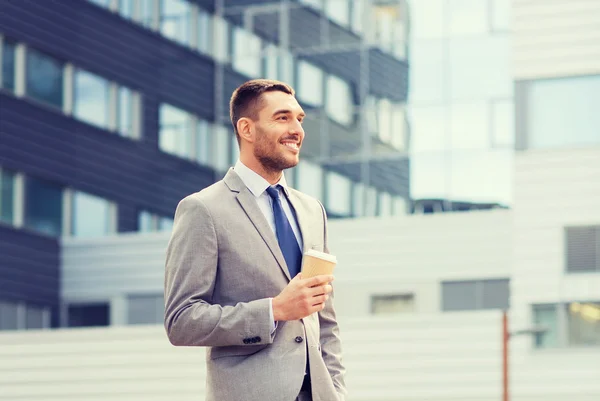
(258, 187)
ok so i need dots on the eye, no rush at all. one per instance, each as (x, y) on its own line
(283, 118)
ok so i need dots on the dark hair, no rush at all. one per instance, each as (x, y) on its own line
(246, 99)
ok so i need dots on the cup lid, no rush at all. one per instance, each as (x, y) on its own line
(321, 255)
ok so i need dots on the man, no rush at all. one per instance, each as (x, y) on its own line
(231, 280)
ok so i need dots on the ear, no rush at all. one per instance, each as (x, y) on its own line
(245, 128)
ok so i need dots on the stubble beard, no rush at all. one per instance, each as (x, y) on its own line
(272, 161)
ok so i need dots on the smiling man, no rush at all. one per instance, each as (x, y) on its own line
(232, 281)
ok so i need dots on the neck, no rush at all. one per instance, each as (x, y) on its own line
(271, 176)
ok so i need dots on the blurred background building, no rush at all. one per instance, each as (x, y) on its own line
(423, 116)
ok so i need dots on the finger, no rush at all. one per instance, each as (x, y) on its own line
(321, 290)
(319, 280)
(319, 299)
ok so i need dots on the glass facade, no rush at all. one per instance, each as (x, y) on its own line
(44, 78)
(8, 64)
(175, 20)
(7, 196)
(91, 216)
(43, 211)
(175, 131)
(91, 98)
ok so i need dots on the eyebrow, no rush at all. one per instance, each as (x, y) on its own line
(287, 111)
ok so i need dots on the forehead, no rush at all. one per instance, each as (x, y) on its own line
(276, 100)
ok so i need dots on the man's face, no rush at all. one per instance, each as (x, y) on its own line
(279, 132)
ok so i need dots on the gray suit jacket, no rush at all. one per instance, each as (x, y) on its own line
(223, 263)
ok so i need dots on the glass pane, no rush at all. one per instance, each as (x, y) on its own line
(339, 100)
(34, 318)
(584, 324)
(44, 78)
(490, 76)
(203, 143)
(468, 17)
(146, 222)
(9, 316)
(91, 216)
(125, 112)
(205, 35)
(563, 112)
(400, 206)
(583, 245)
(390, 304)
(148, 14)
(165, 224)
(496, 294)
(8, 65)
(310, 83)
(457, 296)
(92, 95)
(175, 20)
(89, 315)
(271, 63)
(339, 190)
(246, 53)
(222, 140)
(358, 199)
(385, 204)
(145, 309)
(338, 11)
(221, 45)
(310, 179)
(7, 196)
(43, 207)
(470, 126)
(545, 316)
(175, 135)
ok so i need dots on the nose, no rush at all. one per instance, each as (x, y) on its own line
(296, 128)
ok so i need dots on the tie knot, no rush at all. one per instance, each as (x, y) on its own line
(273, 192)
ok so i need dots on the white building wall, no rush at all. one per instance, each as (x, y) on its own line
(553, 189)
(555, 38)
(410, 254)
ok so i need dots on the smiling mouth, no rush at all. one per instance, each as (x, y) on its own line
(291, 145)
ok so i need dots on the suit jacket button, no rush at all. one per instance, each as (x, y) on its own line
(299, 339)
(258, 339)
(246, 341)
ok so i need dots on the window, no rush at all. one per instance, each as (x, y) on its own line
(127, 113)
(310, 179)
(310, 83)
(7, 196)
(91, 216)
(175, 16)
(583, 249)
(8, 64)
(338, 11)
(385, 204)
(203, 143)
(576, 123)
(9, 316)
(546, 316)
(88, 315)
(400, 206)
(43, 206)
(388, 29)
(145, 309)
(222, 141)
(205, 36)
(175, 131)
(148, 17)
(127, 8)
(246, 53)
(91, 100)
(583, 323)
(392, 304)
(339, 100)
(221, 46)
(150, 222)
(44, 78)
(574, 324)
(429, 125)
(35, 317)
(475, 295)
(339, 190)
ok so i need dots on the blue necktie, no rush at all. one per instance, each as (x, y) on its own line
(285, 234)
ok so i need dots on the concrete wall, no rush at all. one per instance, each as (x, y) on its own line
(555, 38)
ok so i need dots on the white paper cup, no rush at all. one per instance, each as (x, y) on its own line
(315, 263)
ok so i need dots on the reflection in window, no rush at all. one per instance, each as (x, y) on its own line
(339, 191)
(546, 316)
(175, 18)
(7, 196)
(44, 78)
(468, 17)
(8, 65)
(563, 112)
(310, 179)
(175, 131)
(246, 53)
(91, 98)
(310, 83)
(583, 320)
(339, 100)
(43, 207)
(91, 216)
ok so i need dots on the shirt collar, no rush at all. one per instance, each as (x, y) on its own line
(254, 182)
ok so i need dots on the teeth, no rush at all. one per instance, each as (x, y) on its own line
(291, 145)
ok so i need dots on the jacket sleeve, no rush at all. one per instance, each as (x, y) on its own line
(331, 346)
(191, 266)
